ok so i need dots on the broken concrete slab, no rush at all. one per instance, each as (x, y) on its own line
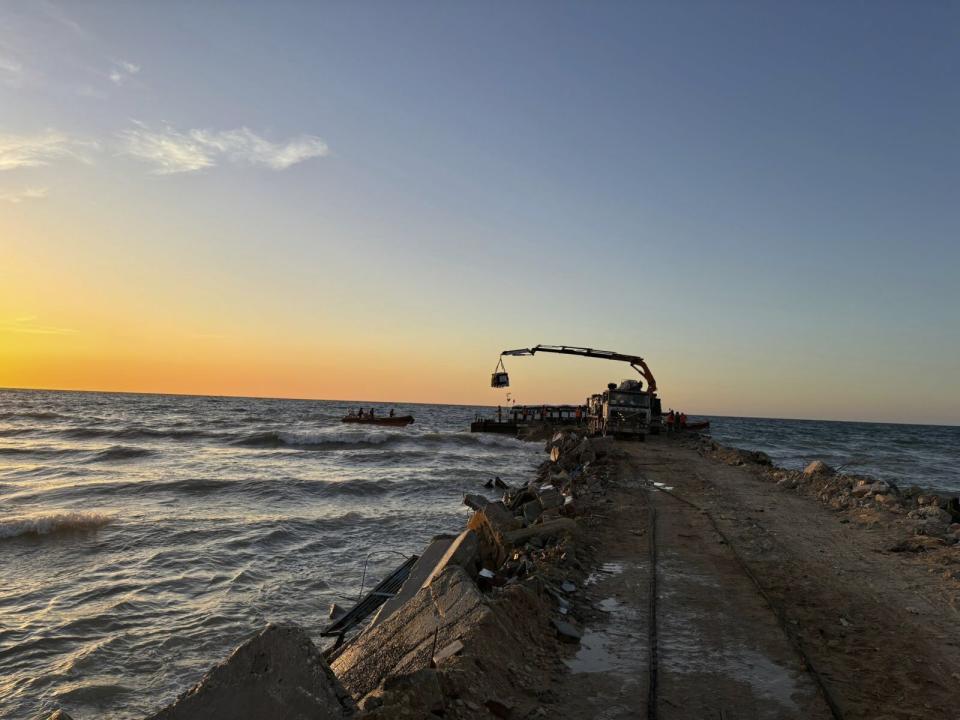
(276, 675)
(420, 572)
(449, 609)
(463, 551)
(451, 650)
(553, 528)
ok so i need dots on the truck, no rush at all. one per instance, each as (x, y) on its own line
(627, 410)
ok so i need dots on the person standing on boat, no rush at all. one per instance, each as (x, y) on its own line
(371, 412)
(670, 420)
(391, 412)
(360, 414)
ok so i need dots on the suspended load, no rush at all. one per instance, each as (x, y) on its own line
(500, 379)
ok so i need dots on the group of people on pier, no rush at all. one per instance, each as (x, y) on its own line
(676, 420)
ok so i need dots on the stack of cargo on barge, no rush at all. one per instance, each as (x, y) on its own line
(510, 420)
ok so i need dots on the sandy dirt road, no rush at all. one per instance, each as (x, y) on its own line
(877, 635)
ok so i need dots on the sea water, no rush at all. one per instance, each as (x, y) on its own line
(142, 537)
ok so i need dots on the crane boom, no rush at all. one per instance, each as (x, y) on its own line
(636, 362)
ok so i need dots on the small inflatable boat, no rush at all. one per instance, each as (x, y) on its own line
(395, 421)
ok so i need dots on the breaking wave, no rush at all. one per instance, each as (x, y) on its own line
(52, 523)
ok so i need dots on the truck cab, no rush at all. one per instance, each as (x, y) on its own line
(625, 410)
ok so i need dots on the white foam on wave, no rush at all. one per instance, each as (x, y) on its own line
(49, 523)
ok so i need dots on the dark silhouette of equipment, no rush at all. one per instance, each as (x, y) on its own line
(502, 379)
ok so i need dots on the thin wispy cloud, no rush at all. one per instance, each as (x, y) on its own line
(11, 72)
(28, 325)
(122, 71)
(25, 151)
(18, 196)
(173, 151)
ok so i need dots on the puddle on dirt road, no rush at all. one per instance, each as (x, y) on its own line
(697, 637)
(605, 570)
(620, 647)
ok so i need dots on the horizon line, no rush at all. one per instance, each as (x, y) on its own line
(412, 402)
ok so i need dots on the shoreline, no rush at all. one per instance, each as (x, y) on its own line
(529, 641)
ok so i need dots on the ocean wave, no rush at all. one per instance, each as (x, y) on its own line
(262, 487)
(341, 439)
(51, 523)
(30, 415)
(116, 453)
(134, 433)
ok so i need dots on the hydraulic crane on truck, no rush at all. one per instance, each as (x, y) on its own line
(627, 409)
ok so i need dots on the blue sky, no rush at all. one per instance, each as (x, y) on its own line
(760, 198)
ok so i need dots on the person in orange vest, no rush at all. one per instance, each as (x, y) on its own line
(670, 420)
(683, 421)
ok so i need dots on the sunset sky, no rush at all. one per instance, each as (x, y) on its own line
(372, 200)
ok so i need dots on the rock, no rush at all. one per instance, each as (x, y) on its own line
(928, 500)
(550, 498)
(859, 490)
(278, 674)
(887, 500)
(495, 516)
(531, 511)
(953, 507)
(818, 467)
(552, 528)
(475, 502)
(932, 512)
(565, 631)
(59, 715)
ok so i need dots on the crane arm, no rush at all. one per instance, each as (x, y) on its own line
(636, 362)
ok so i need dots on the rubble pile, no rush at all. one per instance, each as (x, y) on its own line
(932, 520)
(503, 596)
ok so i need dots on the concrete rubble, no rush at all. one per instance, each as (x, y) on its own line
(278, 673)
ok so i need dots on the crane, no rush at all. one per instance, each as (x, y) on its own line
(501, 379)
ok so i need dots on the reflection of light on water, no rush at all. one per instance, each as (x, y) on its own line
(619, 647)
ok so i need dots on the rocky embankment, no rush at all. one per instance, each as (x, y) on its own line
(472, 631)
(927, 521)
